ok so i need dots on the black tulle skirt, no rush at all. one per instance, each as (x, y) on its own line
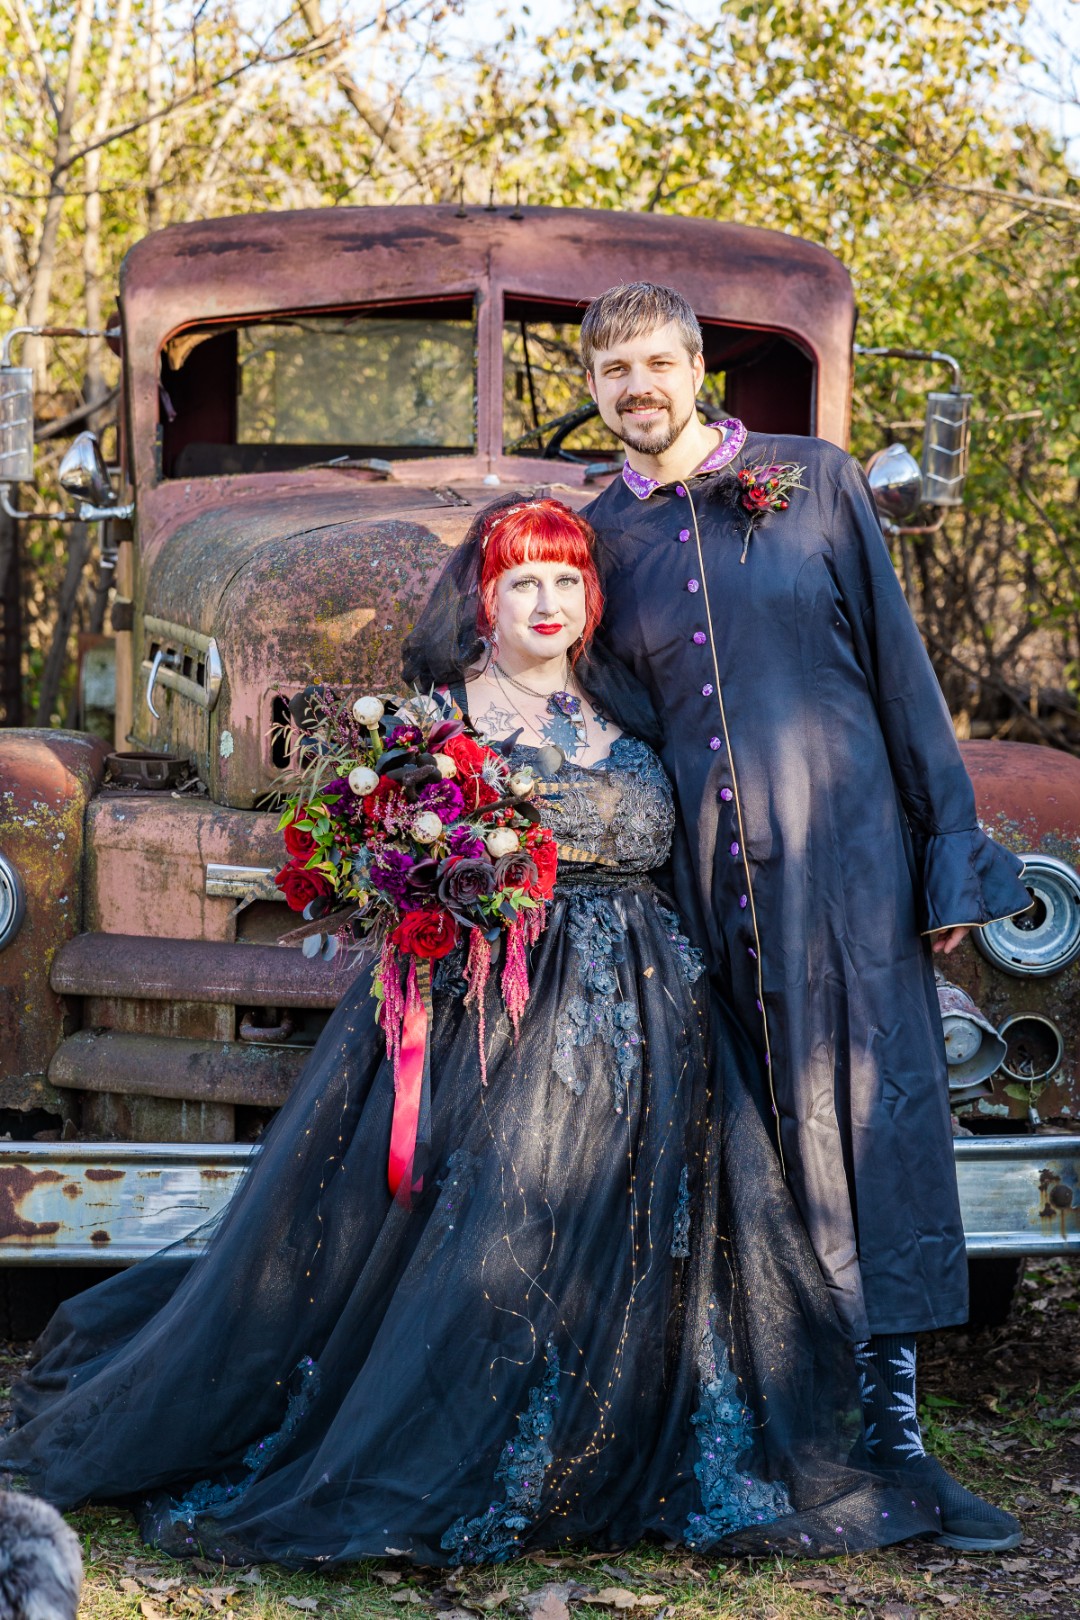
(601, 1321)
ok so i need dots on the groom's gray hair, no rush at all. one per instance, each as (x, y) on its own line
(631, 309)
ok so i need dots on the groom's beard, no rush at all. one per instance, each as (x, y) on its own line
(651, 438)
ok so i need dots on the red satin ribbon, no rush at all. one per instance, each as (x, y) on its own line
(408, 1088)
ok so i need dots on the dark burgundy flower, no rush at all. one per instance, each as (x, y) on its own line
(465, 881)
(515, 871)
(407, 736)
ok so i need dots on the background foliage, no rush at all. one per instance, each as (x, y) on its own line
(899, 134)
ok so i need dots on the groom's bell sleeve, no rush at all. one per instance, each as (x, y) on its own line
(966, 878)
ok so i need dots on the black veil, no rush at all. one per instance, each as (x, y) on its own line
(445, 641)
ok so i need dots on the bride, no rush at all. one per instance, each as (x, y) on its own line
(601, 1319)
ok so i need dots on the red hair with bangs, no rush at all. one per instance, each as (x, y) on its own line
(540, 531)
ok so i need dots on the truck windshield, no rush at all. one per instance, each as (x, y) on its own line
(268, 395)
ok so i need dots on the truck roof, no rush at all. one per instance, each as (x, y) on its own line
(322, 259)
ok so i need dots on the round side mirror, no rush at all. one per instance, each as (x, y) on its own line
(82, 473)
(895, 480)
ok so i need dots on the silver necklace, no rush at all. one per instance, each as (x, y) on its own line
(563, 704)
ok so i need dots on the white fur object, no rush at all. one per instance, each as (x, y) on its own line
(40, 1562)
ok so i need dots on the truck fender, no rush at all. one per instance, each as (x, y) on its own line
(46, 781)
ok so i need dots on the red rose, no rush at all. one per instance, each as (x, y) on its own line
(430, 933)
(299, 886)
(470, 757)
(546, 858)
(540, 843)
(299, 843)
(757, 498)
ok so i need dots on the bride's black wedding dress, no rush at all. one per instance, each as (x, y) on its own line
(601, 1321)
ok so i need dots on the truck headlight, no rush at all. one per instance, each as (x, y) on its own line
(12, 902)
(1046, 938)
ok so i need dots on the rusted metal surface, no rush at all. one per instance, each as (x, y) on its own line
(198, 970)
(109, 1204)
(46, 778)
(1029, 800)
(113, 1203)
(1019, 1195)
(330, 602)
(236, 1072)
(144, 847)
(329, 258)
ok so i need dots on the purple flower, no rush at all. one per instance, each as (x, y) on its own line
(445, 798)
(348, 806)
(464, 841)
(390, 870)
(407, 736)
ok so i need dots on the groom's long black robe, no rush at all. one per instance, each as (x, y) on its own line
(827, 824)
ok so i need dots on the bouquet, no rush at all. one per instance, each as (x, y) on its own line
(404, 831)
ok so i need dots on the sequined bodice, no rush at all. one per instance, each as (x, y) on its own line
(618, 813)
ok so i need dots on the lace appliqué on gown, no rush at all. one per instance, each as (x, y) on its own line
(206, 1494)
(496, 1536)
(731, 1498)
(597, 931)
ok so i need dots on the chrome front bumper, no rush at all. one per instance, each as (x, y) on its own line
(112, 1203)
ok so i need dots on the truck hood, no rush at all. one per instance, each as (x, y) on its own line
(317, 586)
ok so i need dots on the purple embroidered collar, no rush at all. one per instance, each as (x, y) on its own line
(732, 438)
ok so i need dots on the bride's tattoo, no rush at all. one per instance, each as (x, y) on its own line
(557, 729)
(496, 723)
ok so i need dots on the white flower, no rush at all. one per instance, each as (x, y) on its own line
(363, 781)
(501, 841)
(445, 765)
(426, 827)
(368, 710)
(522, 783)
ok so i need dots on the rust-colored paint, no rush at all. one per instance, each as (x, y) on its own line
(16, 1181)
(46, 779)
(214, 270)
(1028, 799)
(164, 969)
(71, 1190)
(141, 846)
(211, 1174)
(100, 1237)
(96, 1173)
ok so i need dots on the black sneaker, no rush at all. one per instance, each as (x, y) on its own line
(967, 1522)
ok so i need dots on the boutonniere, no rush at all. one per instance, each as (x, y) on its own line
(762, 488)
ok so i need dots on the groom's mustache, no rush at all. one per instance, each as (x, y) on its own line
(637, 402)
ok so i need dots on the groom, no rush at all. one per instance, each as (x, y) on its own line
(828, 829)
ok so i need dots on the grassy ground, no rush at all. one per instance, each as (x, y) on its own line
(1001, 1406)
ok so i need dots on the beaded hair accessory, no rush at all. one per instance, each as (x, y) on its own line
(506, 512)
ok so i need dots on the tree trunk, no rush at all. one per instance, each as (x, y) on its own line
(37, 312)
(53, 673)
(95, 383)
(10, 624)
(155, 158)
